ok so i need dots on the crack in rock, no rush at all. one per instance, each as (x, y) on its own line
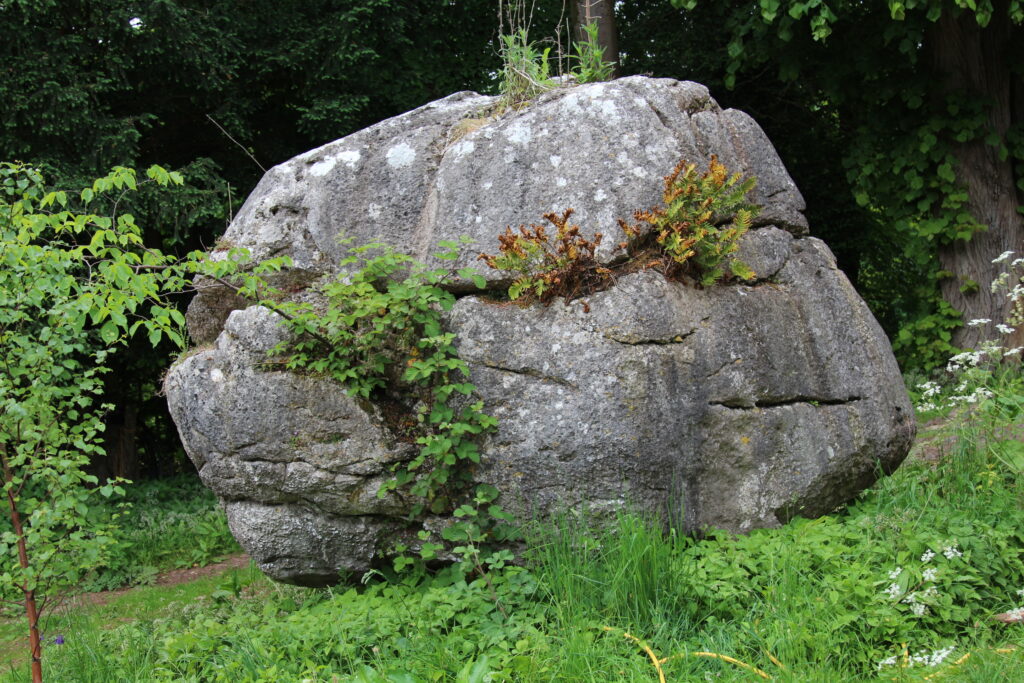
(633, 341)
(530, 372)
(745, 403)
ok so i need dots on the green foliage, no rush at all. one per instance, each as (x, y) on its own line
(73, 285)
(87, 86)
(900, 127)
(688, 229)
(155, 526)
(164, 524)
(921, 562)
(525, 71)
(423, 628)
(926, 341)
(828, 599)
(590, 66)
(377, 329)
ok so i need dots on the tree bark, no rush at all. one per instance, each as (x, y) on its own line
(31, 610)
(122, 448)
(601, 12)
(977, 61)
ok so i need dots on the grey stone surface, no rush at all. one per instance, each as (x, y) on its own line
(740, 405)
(736, 406)
(426, 176)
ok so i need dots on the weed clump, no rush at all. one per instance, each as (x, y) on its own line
(547, 267)
(690, 231)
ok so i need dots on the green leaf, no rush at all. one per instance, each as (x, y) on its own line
(109, 332)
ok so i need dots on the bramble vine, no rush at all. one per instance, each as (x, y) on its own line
(376, 328)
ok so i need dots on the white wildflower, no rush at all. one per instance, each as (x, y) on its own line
(895, 572)
(938, 656)
(1020, 592)
(951, 551)
(999, 282)
(978, 322)
(965, 359)
(982, 393)
(930, 593)
(930, 574)
(1005, 329)
(1013, 352)
(921, 658)
(1016, 614)
(928, 555)
(918, 609)
(975, 396)
(1002, 257)
(1017, 262)
(894, 591)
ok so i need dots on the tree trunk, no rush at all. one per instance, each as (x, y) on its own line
(976, 61)
(31, 610)
(601, 12)
(122, 449)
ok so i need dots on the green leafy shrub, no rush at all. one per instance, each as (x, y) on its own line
(381, 336)
(525, 70)
(376, 328)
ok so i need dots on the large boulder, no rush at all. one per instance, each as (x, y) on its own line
(737, 406)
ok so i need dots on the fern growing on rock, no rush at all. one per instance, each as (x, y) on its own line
(546, 267)
(695, 234)
(691, 231)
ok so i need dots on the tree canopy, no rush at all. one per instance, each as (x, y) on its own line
(213, 89)
(928, 98)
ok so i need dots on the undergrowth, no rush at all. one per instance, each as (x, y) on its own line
(162, 524)
(166, 524)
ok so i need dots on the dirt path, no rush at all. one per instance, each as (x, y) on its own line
(171, 577)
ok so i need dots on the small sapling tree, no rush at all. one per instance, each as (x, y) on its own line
(73, 285)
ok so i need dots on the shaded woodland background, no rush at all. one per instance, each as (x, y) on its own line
(869, 119)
